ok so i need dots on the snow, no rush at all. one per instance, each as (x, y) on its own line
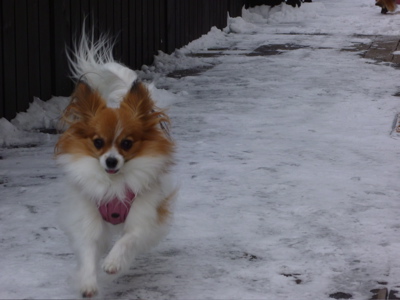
(289, 174)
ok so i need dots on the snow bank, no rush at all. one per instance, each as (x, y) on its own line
(239, 25)
(283, 13)
(179, 59)
(41, 114)
(12, 136)
(24, 129)
(162, 98)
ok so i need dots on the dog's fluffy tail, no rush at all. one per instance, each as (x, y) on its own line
(88, 54)
(92, 61)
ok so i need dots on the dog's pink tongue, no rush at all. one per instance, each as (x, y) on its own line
(112, 171)
(116, 211)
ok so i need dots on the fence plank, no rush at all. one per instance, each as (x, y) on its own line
(124, 40)
(218, 18)
(33, 42)
(162, 17)
(198, 20)
(147, 40)
(224, 13)
(235, 8)
(10, 84)
(61, 37)
(94, 17)
(102, 17)
(192, 20)
(75, 19)
(85, 11)
(171, 25)
(21, 51)
(220, 12)
(132, 34)
(1, 64)
(156, 25)
(46, 78)
(110, 16)
(117, 27)
(145, 31)
(206, 16)
(151, 30)
(183, 16)
(213, 13)
(179, 21)
(139, 33)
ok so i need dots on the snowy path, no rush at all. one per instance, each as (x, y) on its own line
(289, 175)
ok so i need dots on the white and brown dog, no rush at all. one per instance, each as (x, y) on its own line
(117, 157)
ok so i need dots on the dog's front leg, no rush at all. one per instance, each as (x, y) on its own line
(89, 242)
(88, 254)
(133, 242)
(142, 230)
(121, 254)
(88, 237)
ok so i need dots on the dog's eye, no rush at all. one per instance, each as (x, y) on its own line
(126, 144)
(98, 143)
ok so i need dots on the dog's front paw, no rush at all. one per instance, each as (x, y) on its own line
(88, 284)
(112, 265)
(89, 291)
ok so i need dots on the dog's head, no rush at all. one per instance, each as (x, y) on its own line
(113, 136)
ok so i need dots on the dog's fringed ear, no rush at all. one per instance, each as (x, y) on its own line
(138, 99)
(135, 85)
(84, 104)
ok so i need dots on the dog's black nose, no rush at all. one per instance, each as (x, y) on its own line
(111, 162)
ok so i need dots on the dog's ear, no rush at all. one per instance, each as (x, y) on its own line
(84, 104)
(138, 100)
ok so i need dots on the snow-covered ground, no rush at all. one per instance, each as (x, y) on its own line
(290, 179)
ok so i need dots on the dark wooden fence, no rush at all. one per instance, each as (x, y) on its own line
(35, 33)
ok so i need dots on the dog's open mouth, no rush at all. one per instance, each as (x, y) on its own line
(112, 171)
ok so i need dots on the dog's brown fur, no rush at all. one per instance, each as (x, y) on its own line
(390, 5)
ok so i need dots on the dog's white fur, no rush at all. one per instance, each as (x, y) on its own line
(94, 61)
(88, 183)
